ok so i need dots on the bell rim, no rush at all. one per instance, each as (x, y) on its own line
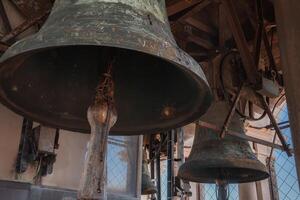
(186, 62)
(162, 46)
(242, 164)
(198, 78)
(153, 39)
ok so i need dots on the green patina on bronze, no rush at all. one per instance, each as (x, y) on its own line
(51, 76)
(229, 159)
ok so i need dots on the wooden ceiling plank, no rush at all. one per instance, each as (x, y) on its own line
(241, 42)
(200, 42)
(4, 17)
(201, 26)
(180, 6)
(222, 26)
(23, 27)
(201, 5)
(3, 47)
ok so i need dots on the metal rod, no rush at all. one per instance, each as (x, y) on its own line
(251, 112)
(222, 191)
(232, 111)
(157, 155)
(180, 155)
(151, 156)
(280, 123)
(180, 146)
(284, 127)
(170, 164)
(285, 124)
(276, 127)
(22, 159)
(241, 136)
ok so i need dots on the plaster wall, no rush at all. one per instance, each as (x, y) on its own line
(70, 155)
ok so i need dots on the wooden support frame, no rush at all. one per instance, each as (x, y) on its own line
(201, 5)
(200, 26)
(23, 27)
(241, 42)
(180, 6)
(3, 47)
(4, 17)
(200, 42)
(276, 127)
(258, 36)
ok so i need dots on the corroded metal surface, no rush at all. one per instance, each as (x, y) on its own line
(58, 68)
(227, 159)
(156, 8)
(148, 186)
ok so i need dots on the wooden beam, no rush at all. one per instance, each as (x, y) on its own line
(198, 54)
(276, 127)
(200, 42)
(200, 25)
(222, 26)
(180, 6)
(201, 5)
(23, 27)
(3, 47)
(241, 42)
(4, 17)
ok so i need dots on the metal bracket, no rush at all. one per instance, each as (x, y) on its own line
(242, 136)
(276, 127)
(231, 112)
(27, 150)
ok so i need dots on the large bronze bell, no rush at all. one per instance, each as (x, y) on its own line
(147, 185)
(217, 160)
(51, 76)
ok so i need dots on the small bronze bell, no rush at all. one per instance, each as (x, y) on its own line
(147, 185)
(216, 160)
(51, 76)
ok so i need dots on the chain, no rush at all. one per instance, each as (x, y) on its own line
(105, 89)
(105, 95)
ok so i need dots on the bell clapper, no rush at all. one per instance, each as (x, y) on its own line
(102, 116)
(222, 190)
